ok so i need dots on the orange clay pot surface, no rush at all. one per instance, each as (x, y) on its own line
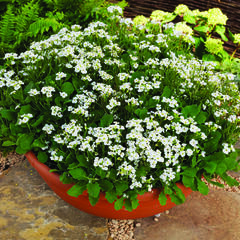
(148, 202)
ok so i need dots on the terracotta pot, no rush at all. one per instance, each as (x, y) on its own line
(148, 202)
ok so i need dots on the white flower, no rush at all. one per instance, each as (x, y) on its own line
(48, 128)
(63, 94)
(33, 92)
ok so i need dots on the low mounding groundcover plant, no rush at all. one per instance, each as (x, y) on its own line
(121, 108)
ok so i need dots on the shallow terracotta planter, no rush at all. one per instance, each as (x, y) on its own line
(148, 202)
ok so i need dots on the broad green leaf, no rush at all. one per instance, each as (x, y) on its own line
(111, 196)
(162, 198)
(106, 120)
(168, 190)
(19, 150)
(191, 172)
(210, 167)
(229, 180)
(188, 181)
(100, 172)
(119, 203)
(203, 29)
(38, 143)
(8, 114)
(201, 117)
(221, 168)
(26, 109)
(68, 88)
(175, 199)
(212, 144)
(93, 189)
(38, 122)
(135, 203)
(190, 19)
(93, 201)
(78, 173)
(76, 190)
(8, 143)
(128, 205)
(191, 110)
(82, 160)
(42, 157)
(24, 141)
(209, 57)
(141, 171)
(179, 193)
(202, 187)
(65, 178)
(121, 186)
(141, 112)
(166, 92)
(106, 185)
(220, 29)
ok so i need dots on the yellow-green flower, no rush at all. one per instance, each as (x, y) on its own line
(158, 15)
(215, 16)
(237, 38)
(213, 45)
(181, 9)
(184, 28)
(140, 20)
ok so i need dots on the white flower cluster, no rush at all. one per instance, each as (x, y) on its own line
(24, 118)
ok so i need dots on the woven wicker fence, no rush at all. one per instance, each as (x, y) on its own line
(229, 7)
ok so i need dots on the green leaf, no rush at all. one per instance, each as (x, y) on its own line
(68, 88)
(93, 189)
(93, 201)
(19, 150)
(15, 129)
(188, 181)
(121, 186)
(166, 92)
(210, 167)
(26, 109)
(106, 120)
(231, 36)
(8, 114)
(128, 205)
(38, 122)
(231, 161)
(24, 141)
(100, 172)
(111, 196)
(229, 180)
(42, 157)
(76, 190)
(78, 173)
(162, 198)
(8, 143)
(82, 160)
(203, 29)
(201, 117)
(65, 178)
(190, 19)
(212, 144)
(191, 172)
(141, 171)
(106, 185)
(209, 57)
(179, 193)
(175, 199)
(141, 113)
(38, 143)
(119, 203)
(202, 187)
(135, 203)
(221, 168)
(168, 190)
(191, 110)
(220, 29)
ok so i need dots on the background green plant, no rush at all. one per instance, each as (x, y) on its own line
(24, 21)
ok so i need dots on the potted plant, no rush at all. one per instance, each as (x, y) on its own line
(119, 110)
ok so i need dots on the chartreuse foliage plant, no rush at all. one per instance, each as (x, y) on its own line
(206, 30)
(122, 108)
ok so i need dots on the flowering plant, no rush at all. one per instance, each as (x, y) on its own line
(121, 108)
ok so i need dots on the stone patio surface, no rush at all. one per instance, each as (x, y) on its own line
(29, 210)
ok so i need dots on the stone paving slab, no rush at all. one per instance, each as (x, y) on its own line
(212, 217)
(30, 210)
